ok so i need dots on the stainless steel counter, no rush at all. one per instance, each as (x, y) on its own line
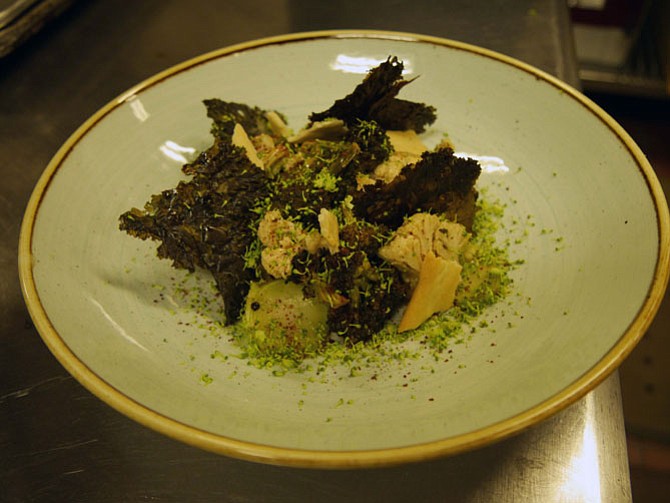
(60, 443)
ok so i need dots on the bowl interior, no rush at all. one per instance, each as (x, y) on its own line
(580, 212)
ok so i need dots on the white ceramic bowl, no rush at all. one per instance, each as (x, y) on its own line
(584, 211)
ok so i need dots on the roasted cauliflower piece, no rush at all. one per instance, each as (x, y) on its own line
(283, 239)
(420, 234)
(427, 249)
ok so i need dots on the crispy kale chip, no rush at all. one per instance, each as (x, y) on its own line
(375, 146)
(361, 289)
(374, 99)
(225, 114)
(440, 182)
(308, 179)
(206, 222)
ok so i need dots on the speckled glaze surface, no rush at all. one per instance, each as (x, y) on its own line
(584, 212)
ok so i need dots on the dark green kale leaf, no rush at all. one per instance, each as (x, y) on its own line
(299, 196)
(440, 182)
(374, 99)
(310, 179)
(362, 290)
(373, 142)
(225, 114)
(207, 222)
(334, 156)
(374, 292)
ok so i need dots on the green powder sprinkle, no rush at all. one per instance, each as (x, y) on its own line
(485, 282)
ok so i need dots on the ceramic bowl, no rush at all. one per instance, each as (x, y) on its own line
(584, 212)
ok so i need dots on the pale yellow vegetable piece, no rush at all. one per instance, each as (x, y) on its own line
(330, 229)
(363, 179)
(407, 149)
(281, 316)
(330, 129)
(241, 139)
(434, 292)
(391, 167)
(406, 141)
(277, 124)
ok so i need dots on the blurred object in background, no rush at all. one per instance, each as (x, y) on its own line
(623, 51)
(623, 46)
(20, 19)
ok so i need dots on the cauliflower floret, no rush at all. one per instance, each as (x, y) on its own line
(426, 249)
(274, 230)
(283, 239)
(420, 234)
(278, 261)
(451, 239)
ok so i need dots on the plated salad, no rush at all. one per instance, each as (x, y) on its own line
(334, 233)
